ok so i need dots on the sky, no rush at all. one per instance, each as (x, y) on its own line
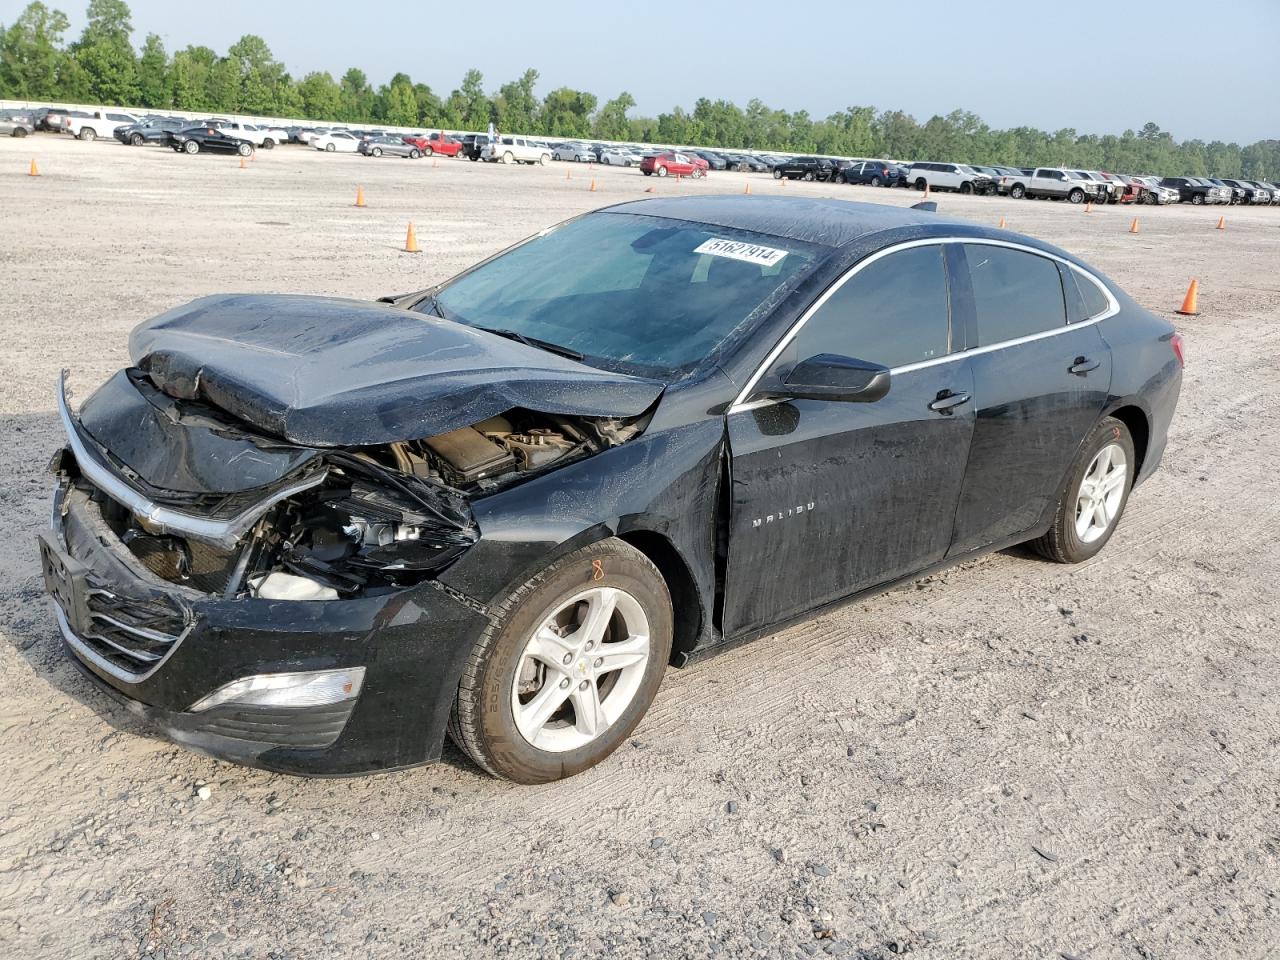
(1200, 71)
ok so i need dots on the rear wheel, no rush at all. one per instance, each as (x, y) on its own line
(1094, 497)
(329, 148)
(508, 157)
(808, 176)
(662, 171)
(544, 159)
(19, 132)
(570, 664)
(877, 182)
(268, 144)
(430, 150)
(88, 133)
(414, 154)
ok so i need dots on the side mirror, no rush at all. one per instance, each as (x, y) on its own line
(831, 377)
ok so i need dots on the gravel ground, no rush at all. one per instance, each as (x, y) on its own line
(1010, 759)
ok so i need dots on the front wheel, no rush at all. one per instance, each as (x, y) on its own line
(268, 144)
(544, 159)
(192, 147)
(430, 150)
(777, 174)
(137, 140)
(376, 152)
(243, 149)
(329, 148)
(1094, 497)
(567, 668)
(1017, 191)
(1076, 196)
(877, 182)
(921, 183)
(808, 176)
(1197, 199)
(414, 154)
(966, 187)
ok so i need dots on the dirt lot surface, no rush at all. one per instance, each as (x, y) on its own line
(1010, 760)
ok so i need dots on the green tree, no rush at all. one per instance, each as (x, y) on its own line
(154, 83)
(31, 54)
(356, 97)
(515, 107)
(106, 55)
(321, 97)
(402, 105)
(476, 109)
(611, 122)
(567, 113)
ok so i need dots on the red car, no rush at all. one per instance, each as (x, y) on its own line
(436, 143)
(678, 164)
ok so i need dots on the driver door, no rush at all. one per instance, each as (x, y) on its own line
(832, 497)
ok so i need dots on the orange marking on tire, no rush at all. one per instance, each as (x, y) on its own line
(597, 570)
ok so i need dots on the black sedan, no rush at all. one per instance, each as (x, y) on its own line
(314, 534)
(210, 139)
(805, 168)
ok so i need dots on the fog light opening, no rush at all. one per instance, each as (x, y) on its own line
(314, 688)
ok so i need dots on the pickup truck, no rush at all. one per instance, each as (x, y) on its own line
(1058, 184)
(264, 137)
(515, 150)
(99, 123)
(1197, 190)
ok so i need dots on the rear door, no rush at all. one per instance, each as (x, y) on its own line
(1040, 384)
(829, 497)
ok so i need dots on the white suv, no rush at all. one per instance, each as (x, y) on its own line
(515, 150)
(264, 137)
(949, 176)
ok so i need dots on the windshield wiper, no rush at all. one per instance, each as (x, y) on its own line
(534, 342)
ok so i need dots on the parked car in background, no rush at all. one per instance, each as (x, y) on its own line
(1196, 191)
(16, 123)
(208, 138)
(336, 141)
(511, 149)
(874, 173)
(259, 136)
(436, 143)
(949, 176)
(804, 168)
(55, 120)
(621, 157)
(573, 152)
(747, 163)
(714, 160)
(153, 130)
(1134, 190)
(1267, 188)
(473, 145)
(388, 146)
(1157, 193)
(673, 163)
(40, 119)
(99, 123)
(1055, 183)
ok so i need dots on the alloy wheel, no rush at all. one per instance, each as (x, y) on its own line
(1101, 493)
(580, 670)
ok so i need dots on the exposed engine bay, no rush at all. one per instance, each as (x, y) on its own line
(378, 518)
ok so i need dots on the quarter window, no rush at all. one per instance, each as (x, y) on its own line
(1015, 294)
(892, 312)
(1095, 301)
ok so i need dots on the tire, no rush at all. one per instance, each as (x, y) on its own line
(921, 183)
(19, 132)
(544, 159)
(500, 676)
(966, 187)
(698, 173)
(191, 147)
(137, 140)
(268, 144)
(1076, 196)
(244, 149)
(429, 150)
(87, 134)
(1197, 199)
(808, 176)
(777, 174)
(1017, 191)
(662, 171)
(375, 152)
(1068, 539)
(877, 182)
(414, 154)
(508, 157)
(329, 148)
(647, 173)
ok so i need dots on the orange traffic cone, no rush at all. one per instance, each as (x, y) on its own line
(1222, 221)
(926, 189)
(1133, 227)
(242, 163)
(411, 241)
(747, 189)
(35, 171)
(593, 184)
(359, 196)
(1190, 304)
(1001, 223)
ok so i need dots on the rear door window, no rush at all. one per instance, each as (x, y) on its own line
(894, 311)
(1015, 293)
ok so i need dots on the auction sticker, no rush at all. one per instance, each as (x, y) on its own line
(737, 250)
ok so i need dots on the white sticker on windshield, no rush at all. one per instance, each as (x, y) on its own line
(737, 250)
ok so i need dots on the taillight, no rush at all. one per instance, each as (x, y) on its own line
(1176, 343)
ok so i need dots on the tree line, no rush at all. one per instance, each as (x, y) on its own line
(102, 66)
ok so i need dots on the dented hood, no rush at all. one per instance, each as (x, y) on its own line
(323, 371)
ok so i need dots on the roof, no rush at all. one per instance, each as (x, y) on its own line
(832, 223)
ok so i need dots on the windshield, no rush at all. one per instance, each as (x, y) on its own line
(638, 294)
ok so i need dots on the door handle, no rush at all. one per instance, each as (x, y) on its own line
(948, 401)
(1083, 365)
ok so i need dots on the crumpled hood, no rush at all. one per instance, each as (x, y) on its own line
(324, 371)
